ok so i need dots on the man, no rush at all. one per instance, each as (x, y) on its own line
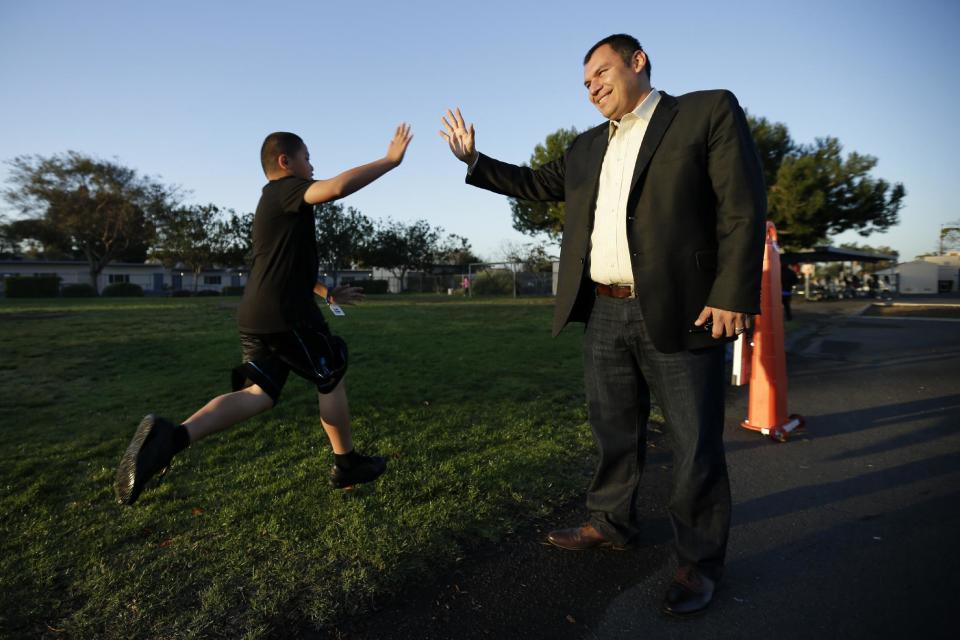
(661, 258)
(788, 280)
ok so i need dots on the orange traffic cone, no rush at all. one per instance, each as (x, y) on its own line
(768, 371)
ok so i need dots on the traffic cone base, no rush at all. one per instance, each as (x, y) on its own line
(795, 424)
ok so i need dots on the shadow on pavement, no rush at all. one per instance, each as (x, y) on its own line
(847, 422)
(816, 365)
(862, 578)
(811, 496)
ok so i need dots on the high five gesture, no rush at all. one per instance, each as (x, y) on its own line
(459, 136)
(357, 178)
(398, 146)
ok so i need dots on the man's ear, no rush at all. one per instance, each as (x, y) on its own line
(283, 161)
(639, 61)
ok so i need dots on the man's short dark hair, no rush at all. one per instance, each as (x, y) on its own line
(277, 144)
(623, 44)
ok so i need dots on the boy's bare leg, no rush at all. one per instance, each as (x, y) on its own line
(227, 410)
(350, 467)
(157, 439)
(335, 418)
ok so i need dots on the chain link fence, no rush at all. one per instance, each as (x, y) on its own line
(477, 279)
(508, 279)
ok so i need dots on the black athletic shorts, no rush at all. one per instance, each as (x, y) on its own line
(310, 351)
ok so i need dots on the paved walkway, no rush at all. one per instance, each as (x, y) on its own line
(849, 531)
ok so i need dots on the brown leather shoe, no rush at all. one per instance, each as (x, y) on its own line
(689, 593)
(580, 538)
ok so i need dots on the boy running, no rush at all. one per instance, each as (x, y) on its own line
(281, 326)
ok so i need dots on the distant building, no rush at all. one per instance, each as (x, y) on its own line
(951, 259)
(154, 279)
(344, 276)
(927, 275)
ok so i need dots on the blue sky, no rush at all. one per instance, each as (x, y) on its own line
(187, 90)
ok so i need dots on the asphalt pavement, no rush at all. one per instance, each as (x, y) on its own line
(848, 530)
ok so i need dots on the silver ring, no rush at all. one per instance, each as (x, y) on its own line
(739, 330)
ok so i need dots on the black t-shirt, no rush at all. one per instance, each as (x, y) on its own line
(279, 292)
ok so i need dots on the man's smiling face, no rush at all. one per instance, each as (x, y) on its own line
(614, 86)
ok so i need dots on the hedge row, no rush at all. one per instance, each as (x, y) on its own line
(372, 286)
(122, 290)
(79, 290)
(492, 282)
(33, 287)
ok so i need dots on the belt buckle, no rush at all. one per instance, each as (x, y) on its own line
(615, 290)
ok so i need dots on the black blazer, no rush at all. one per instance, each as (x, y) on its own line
(695, 218)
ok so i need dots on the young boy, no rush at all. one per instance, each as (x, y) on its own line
(281, 326)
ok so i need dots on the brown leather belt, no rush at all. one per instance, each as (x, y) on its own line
(614, 290)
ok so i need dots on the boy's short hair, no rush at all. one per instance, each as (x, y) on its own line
(625, 45)
(276, 144)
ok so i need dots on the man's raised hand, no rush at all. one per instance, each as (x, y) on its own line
(398, 146)
(459, 136)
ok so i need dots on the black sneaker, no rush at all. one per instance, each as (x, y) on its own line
(149, 452)
(369, 468)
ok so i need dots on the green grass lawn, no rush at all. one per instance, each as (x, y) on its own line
(478, 410)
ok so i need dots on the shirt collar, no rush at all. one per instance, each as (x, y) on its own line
(643, 112)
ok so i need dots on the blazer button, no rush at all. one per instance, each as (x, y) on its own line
(581, 260)
(630, 219)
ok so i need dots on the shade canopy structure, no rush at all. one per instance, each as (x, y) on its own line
(833, 254)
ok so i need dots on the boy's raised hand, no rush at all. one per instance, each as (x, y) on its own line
(352, 180)
(346, 294)
(398, 146)
(459, 136)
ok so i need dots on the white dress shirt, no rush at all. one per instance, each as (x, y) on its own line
(609, 251)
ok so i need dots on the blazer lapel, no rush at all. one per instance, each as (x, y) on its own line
(662, 117)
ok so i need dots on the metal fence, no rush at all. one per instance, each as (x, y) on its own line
(508, 279)
(477, 279)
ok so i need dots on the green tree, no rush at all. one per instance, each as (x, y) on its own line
(532, 256)
(400, 247)
(84, 206)
(196, 236)
(870, 267)
(814, 191)
(533, 218)
(8, 239)
(342, 236)
(456, 250)
(238, 245)
(773, 143)
(949, 238)
(36, 238)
